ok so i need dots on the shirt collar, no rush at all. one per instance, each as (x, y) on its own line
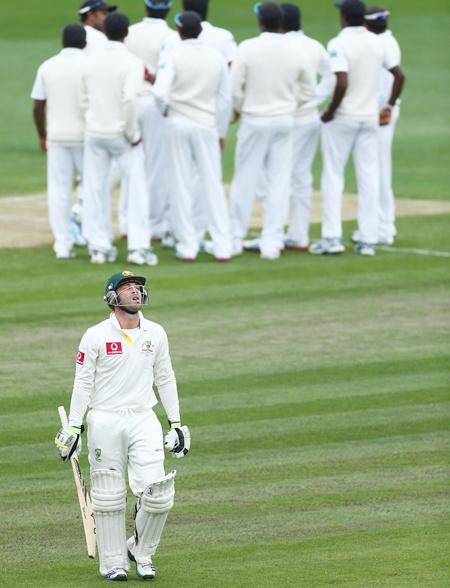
(154, 21)
(143, 323)
(71, 51)
(192, 41)
(116, 45)
(267, 34)
(353, 30)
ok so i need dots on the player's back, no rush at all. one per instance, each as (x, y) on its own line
(146, 38)
(219, 39)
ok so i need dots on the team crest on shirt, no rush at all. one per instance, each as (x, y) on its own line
(80, 358)
(147, 347)
(98, 454)
(114, 348)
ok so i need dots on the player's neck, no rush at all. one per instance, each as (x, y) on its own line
(126, 320)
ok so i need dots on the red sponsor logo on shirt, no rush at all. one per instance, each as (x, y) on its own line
(80, 358)
(114, 348)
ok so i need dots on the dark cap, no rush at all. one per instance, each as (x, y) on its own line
(92, 5)
(189, 23)
(352, 8)
(120, 278)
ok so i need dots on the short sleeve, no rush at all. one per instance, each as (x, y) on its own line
(338, 61)
(392, 55)
(38, 92)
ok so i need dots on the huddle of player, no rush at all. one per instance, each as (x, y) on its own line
(151, 107)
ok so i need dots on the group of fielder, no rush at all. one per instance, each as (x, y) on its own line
(149, 107)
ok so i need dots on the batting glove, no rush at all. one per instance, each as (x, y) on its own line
(178, 440)
(68, 442)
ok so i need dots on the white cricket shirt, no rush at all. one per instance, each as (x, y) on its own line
(111, 86)
(219, 39)
(114, 372)
(270, 77)
(393, 53)
(146, 39)
(95, 40)
(193, 82)
(360, 53)
(317, 57)
(59, 82)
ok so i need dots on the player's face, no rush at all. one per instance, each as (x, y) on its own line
(130, 297)
(100, 16)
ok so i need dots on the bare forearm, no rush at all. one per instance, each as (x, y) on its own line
(397, 86)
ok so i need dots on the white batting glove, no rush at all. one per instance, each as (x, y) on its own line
(178, 440)
(68, 442)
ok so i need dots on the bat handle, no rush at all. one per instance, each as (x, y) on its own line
(63, 416)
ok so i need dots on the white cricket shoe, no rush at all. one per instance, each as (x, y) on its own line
(146, 571)
(272, 255)
(386, 240)
(237, 247)
(292, 245)
(251, 245)
(66, 254)
(328, 246)
(142, 257)
(117, 575)
(365, 249)
(168, 241)
(100, 257)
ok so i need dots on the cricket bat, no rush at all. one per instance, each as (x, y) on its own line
(83, 495)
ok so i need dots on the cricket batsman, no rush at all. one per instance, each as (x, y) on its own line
(118, 362)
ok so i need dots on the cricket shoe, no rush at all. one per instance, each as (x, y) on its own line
(385, 240)
(292, 245)
(145, 571)
(100, 257)
(117, 575)
(237, 247)
(168, 241)
(66, 254)
(142, 257)
(208, 247)
(365, 249)
(251, 245)
(271, 255)
(327, 246)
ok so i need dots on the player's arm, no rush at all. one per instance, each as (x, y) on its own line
(397, 86)
(165, 75)
(132, 86)
(339, 66)
(327, 81)
(238, 78)
(178, 439)
(39, 96)
(224, 105)
(391, 62)
(39, 121)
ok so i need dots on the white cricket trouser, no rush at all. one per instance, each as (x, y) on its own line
(192, 147)
(264, 148)
(98, 155)
(386, 217)
(339, 139)
(153, 128)
(122, 212)
(129, 442)
(306, 138)
(62, 161)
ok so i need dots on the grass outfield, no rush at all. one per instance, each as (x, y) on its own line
(317, 395)
(422, 165)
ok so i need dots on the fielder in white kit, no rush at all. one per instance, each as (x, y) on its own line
(192, 88)
(270, 79)
(118, 362)
(146, 40)
(377, 22)
(59, 120)
(351, 126)
(112, 83)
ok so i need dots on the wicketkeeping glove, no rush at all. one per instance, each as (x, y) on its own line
(68, 442)
(178, 440)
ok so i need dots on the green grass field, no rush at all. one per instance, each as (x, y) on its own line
(316, 390)
(317, 394)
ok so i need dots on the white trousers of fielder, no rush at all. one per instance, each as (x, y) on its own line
(340, 139)
(98, 156)
(63, 161)
(192, 147)
(153, 127)
(386, 218)
(264, 149)
(306, 139)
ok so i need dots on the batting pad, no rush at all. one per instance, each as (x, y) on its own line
(108, 495)
(152, 510)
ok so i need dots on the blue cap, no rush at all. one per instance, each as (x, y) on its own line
(158, 5)
(256, 7)
(91, 5)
